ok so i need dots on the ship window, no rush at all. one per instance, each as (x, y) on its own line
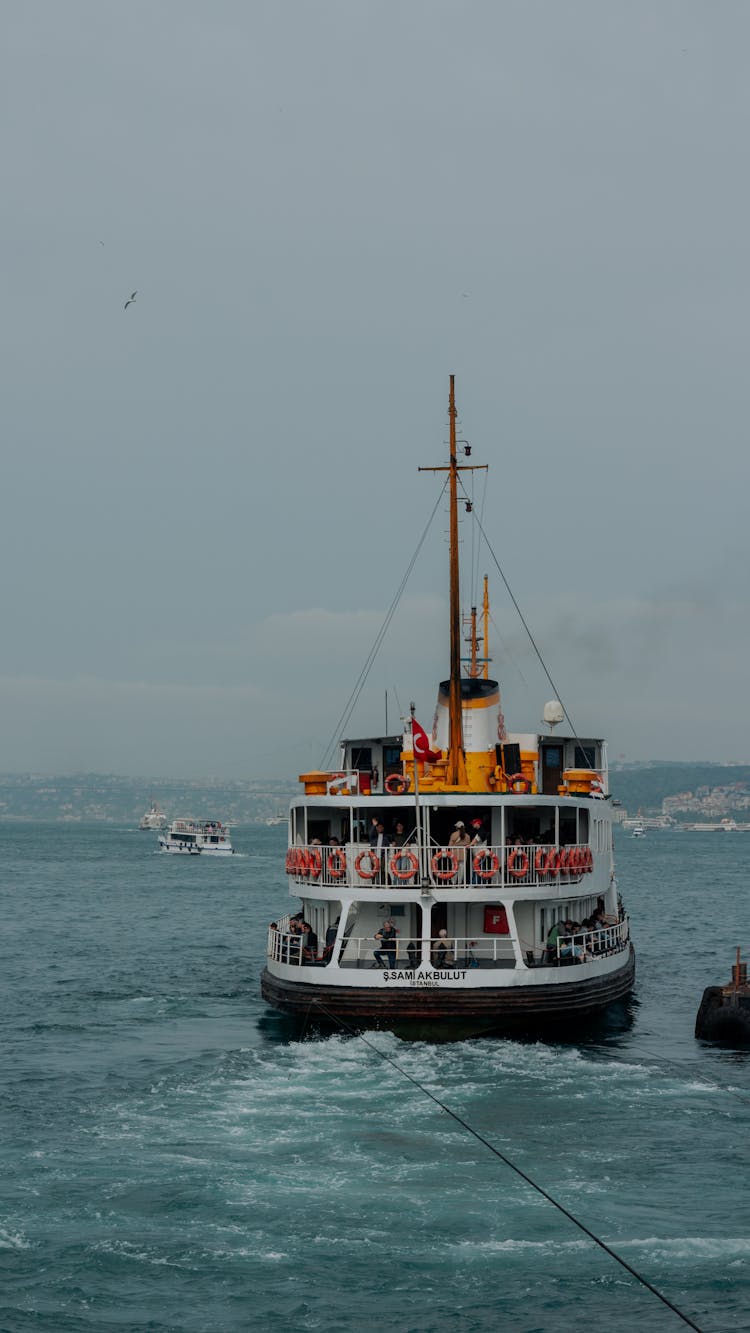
(585, 756)
(362, 758)
(568, 827)
(317, 828)
(391, 759)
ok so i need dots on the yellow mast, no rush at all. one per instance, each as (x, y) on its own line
(455, 774)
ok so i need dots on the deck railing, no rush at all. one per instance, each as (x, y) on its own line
(359, 866)
(499, 951)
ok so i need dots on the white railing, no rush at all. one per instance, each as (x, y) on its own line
(413, 865)
(359, 951)
(584, 945)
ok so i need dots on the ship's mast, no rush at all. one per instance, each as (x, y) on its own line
(455, 774)
(486, 621)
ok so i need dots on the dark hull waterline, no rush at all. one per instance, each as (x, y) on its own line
(442, 1013)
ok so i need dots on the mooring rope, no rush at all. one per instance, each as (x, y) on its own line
(507, 1161)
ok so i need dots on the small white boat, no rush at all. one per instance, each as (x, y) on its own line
(154, 818)
(191, 837)
(280, 818)
(639, 831)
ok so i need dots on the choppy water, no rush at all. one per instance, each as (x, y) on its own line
(169, 1161)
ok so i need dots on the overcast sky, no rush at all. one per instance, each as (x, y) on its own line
(209, 499)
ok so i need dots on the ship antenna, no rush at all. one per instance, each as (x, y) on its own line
(455, 774)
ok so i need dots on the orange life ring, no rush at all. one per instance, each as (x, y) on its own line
(523, 869)
(539, 860)
(374, 868)
(552, 862)
(588, 865)
(336, 863)
(574, 860)
(480, 867)
(291, 861)
(563, 860)
(447, 854)
(396, 784)
(519, 777)
(403, 854)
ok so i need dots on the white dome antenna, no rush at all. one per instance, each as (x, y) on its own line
(553, 713)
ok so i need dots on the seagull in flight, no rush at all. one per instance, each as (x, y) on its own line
(130, 299)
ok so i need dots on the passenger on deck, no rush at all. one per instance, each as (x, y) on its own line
(399, 839)
(442, 953)
(385, 956)
(570, 949)
(310, 946)
(550, 952)
(331, 934)
(478, 840)
(460, 840)
(379, 843)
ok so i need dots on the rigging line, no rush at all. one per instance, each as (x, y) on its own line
(532, 640)
(506, 649)
(506, 1160)
(360, 681)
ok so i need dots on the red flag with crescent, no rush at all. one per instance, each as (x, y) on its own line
(421, 743)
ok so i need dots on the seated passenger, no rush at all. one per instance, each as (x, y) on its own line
(310, 946)
(442, 954)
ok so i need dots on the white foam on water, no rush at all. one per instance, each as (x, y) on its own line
(691, 1248)
(13, 1240)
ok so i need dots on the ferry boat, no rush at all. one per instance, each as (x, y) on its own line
(458, 883)
(190, 837)
(639, 830)
(154, 818)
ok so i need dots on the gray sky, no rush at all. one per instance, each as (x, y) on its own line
(209, 499)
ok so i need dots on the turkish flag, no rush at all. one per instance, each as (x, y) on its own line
(421, 743)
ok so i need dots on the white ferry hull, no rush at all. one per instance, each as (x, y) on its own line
(443, 1004)
(194, 851)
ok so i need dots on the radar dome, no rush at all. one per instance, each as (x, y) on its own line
(553, 712)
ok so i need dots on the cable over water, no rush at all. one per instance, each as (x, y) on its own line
(507, 1161)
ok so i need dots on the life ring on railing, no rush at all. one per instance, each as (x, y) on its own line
(525, 787)
(291, 860)
(588, 860)
(309, 862)
(563, 861)
(519, 871)
(447, 854)
(539, 860)
(396, 784)
(481, 868)
(597, 787)
(403, 854)
(552, 862)
(374, 865)
(574, 860)
(336, 863)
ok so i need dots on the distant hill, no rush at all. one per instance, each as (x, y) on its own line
(109, 799)
(644, 788)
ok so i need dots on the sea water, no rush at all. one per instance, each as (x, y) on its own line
(171, 1160)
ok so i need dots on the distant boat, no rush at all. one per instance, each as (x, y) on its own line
(190, 837)
(280, 818)
(639, 831)
(154, 818)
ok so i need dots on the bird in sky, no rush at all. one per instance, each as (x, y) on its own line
(130, 299)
